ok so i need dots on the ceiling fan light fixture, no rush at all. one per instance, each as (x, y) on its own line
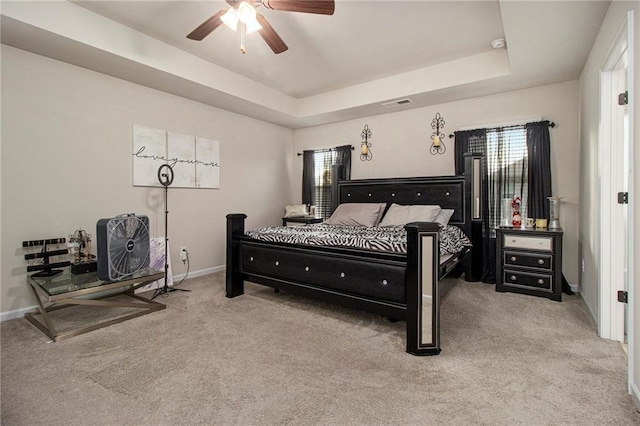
(253, 26)
(230, 19)
(247, 15)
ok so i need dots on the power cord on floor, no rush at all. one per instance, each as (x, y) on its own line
(185, 275)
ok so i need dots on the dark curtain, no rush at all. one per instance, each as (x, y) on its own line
(504, 178)
(539, 164)
(308, 178)
(476, 141)
(343, 158)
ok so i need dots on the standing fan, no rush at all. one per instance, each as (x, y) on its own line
(123, 246)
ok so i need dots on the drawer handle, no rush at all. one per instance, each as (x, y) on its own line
(540, 261)
(513, 258)
(306, 268)
(384, 282)
(251, 258)
(277, 263)
(341, 274)
(540, 281)
(513, 278)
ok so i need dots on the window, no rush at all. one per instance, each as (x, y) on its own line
(517, 161)
(507, 166)
(323, 160)
(316, 176)
(505, 151)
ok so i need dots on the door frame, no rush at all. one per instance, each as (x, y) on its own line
(612, 216)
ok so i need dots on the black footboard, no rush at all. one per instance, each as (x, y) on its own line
(398, 286)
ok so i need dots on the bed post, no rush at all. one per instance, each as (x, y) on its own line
(337, 174)
(423, 304)
(234, 279)
(474, 214)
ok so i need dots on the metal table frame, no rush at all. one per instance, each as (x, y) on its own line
(51, 302)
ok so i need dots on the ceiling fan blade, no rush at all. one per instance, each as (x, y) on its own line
(322, 7)
(270, 36)
(207, 27)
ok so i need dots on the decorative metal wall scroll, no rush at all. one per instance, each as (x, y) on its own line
(365, 146)
(437, 138)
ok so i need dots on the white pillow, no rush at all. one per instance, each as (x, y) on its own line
(357, 214)
(444, 216)
(295, 210)
(398, 215)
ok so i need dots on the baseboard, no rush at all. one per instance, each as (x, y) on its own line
(635, 395)
(200, 273)
(19, 313)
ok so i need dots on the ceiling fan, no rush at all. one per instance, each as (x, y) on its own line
(243, 13)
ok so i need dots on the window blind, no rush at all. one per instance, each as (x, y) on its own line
(505, 150)
(506, 153)
(323, 160)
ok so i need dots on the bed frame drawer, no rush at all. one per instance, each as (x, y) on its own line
(381, 280)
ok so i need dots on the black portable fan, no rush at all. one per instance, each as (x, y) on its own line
(123, 246)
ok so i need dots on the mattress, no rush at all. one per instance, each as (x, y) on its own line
(384, 239)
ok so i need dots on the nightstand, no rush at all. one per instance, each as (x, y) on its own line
(529, 261)
(300, 220)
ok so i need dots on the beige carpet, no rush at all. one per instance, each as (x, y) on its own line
(270, 359)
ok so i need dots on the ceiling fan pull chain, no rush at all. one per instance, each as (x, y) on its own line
(243, 30)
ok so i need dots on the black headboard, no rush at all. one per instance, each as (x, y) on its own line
(446, 191)
(463, 194)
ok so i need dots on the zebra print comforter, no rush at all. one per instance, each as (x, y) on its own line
(388, 239)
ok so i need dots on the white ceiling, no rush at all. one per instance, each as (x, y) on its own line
(337, 67)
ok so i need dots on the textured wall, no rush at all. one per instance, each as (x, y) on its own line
(400, 144)
(66, 162)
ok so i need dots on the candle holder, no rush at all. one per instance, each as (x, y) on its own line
(554, 213)
(365, 146)
(437, 144)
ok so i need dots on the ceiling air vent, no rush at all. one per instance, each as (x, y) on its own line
(396, 103)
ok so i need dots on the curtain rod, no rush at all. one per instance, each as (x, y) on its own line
(324, 150)
(551, 124)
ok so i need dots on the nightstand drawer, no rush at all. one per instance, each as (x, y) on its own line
(528, 242)
(538, 282)
(529, 260)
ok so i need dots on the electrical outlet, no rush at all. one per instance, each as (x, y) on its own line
(183, 253)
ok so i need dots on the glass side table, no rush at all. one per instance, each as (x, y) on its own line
(65, 290)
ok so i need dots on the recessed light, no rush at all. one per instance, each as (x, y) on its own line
(499, 43)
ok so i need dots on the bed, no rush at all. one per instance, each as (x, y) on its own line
(399, 285)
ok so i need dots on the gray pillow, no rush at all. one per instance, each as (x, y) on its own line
(398, 215)
(444, 217)
(357, 214)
